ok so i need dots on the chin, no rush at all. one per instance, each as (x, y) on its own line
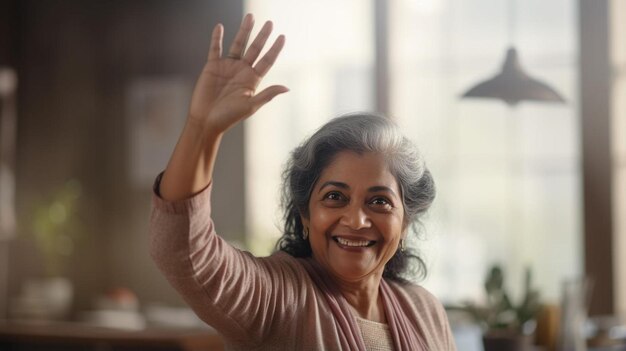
(352, 271)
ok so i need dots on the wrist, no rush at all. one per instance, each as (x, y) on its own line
(202, 130)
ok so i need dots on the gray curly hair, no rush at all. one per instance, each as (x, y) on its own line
(360, 133)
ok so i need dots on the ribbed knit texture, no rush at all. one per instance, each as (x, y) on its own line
(376, 336)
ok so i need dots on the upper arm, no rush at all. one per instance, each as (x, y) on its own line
(233, 291)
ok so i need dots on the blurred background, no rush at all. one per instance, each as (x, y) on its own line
(94, 95)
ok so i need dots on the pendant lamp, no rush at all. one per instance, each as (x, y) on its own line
(513, 85)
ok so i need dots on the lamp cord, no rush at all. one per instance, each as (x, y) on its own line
(512, 22)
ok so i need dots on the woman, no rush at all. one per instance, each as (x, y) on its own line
(352, 192)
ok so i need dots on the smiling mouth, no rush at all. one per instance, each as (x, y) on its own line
(354, 243)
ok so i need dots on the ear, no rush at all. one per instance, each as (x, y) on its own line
(305, 221)
(405, 231)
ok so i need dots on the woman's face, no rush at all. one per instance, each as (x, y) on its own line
(356, 216)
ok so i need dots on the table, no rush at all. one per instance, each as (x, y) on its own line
(68, 336)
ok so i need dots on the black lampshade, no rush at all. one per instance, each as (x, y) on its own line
(513, 85)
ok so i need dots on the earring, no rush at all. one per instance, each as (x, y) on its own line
(402, 245)
(305, 233)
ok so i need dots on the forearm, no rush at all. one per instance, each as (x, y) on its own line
(190, 168)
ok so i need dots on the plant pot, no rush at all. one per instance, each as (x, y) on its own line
(507, 341)
(44, 299)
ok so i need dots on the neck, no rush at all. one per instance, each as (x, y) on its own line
(364, 297)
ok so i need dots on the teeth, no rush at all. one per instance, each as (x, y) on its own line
(346, 242)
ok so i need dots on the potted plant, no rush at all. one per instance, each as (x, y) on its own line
(54, 227)
(506, 326)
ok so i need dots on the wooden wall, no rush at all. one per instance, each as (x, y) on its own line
(75, 61)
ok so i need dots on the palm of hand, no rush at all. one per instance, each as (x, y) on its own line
(225, 91)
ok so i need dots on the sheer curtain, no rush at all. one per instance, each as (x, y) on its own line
(509, 178)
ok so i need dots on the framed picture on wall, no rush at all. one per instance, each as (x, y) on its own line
(156, 112)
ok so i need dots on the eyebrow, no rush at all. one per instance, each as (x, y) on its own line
(373, 189)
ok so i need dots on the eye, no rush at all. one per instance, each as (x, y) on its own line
(381, 202)
(334, 198)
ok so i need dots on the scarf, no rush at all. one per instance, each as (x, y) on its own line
(404, 336)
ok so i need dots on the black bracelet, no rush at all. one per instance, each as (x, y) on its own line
(157, 184)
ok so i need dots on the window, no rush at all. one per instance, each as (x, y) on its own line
(328, 74)
(508, 178)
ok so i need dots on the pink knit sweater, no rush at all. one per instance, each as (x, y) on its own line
(271, 303)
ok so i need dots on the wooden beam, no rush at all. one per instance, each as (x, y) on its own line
(595, 107)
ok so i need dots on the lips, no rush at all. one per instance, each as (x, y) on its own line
(356, 243)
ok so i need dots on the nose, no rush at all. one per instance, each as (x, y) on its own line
(355, 218)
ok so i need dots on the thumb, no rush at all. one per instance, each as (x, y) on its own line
(267, 95)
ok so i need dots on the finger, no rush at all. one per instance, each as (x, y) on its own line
(267, 95)
(264, 65)
(257, 45)
(215, 50)
(241, 39)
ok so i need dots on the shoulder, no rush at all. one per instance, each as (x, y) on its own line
(284, 262)
(425, 309)
(418, 295)
(286, 270)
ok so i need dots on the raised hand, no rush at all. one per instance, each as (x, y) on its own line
(224, 95)
(226, 89)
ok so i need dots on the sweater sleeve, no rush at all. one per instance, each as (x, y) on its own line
(231, 290)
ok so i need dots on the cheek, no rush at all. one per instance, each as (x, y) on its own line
(320, 219)
(394, 229)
